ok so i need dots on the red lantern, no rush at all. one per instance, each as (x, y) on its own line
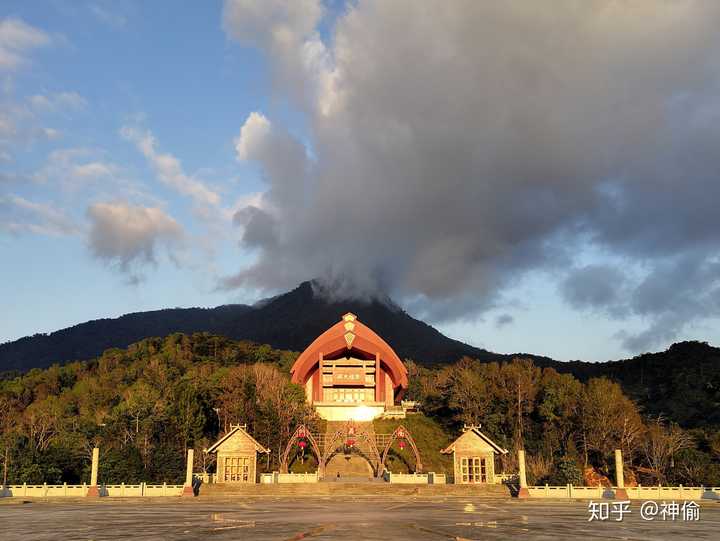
(402, 444)
(350, 442)
(302, 444)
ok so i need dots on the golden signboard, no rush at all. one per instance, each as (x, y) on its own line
(348, 376)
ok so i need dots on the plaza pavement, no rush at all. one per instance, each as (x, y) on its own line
(325, 518)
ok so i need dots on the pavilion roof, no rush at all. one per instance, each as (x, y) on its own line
(234, 430)
(475, 430)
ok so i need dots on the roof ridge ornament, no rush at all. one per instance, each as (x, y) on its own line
(349, 319)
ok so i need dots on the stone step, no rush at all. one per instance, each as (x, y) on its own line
(360, 460)
(354, 489)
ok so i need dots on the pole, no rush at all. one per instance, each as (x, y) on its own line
(188, 488)
(93, 490)
(523, 490)
(620, 492)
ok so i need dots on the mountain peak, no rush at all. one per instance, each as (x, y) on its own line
(290, 320)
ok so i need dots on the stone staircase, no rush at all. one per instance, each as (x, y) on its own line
(357, 465)
(366, 489)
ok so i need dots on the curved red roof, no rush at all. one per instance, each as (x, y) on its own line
(348, 334)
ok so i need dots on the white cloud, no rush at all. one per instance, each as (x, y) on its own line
(252, 135)
(92, 170)
(108, 15)
(17, 39)
(285, 30)
(52, 134)
(130, 236)
(61, 101)
(19, 215)
(169, 169)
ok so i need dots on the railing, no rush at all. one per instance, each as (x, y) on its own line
(80, 491)
(679, 492)
(634, 493)
(297, 478)
(437, 478)
(267, 478)
(408, 478)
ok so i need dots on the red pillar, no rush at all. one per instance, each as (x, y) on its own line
(377, 377)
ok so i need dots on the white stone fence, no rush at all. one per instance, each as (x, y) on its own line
(634, 493)
(79, 491)
(297, 478)
(409, 478)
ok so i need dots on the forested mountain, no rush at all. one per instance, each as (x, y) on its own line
(289, 321)
(682, 383)
(90, 339)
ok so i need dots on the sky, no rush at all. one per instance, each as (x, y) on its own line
(524, 179)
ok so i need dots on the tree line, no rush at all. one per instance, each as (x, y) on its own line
(568, 428)
(144, 405)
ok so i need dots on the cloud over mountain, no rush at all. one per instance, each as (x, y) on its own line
(456, 147)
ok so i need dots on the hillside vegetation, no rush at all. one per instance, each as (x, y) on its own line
(144, 405)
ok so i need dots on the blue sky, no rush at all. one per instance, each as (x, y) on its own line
(150, 154)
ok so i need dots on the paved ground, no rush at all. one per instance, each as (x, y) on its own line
(325, 518)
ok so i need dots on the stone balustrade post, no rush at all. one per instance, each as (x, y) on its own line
(93, 490)
(620, 492)
(523, 490)
(188, 487)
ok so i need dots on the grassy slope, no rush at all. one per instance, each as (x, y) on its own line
(429, 437)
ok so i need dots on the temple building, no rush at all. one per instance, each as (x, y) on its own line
(474, 457)
(350, 373)
(237, 456)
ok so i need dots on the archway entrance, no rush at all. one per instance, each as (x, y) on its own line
(350, 451)
(350, 466)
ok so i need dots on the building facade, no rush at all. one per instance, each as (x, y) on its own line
(350, 373)
(237, 456)
(474, 457)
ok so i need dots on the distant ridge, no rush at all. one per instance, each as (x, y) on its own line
(682, 382)
(288, 321)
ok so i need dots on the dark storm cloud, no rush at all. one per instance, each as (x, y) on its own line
(458, 146)
(594, 286)
(503, 320)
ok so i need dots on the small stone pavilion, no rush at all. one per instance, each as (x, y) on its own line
(237, 456)
(350, 373)
(474, 457)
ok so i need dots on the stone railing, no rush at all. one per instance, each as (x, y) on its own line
(437, 478)
(634, 493)
(297, 478)
(267, 478)
(80, 491)
(669, 493)
(408, 478)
